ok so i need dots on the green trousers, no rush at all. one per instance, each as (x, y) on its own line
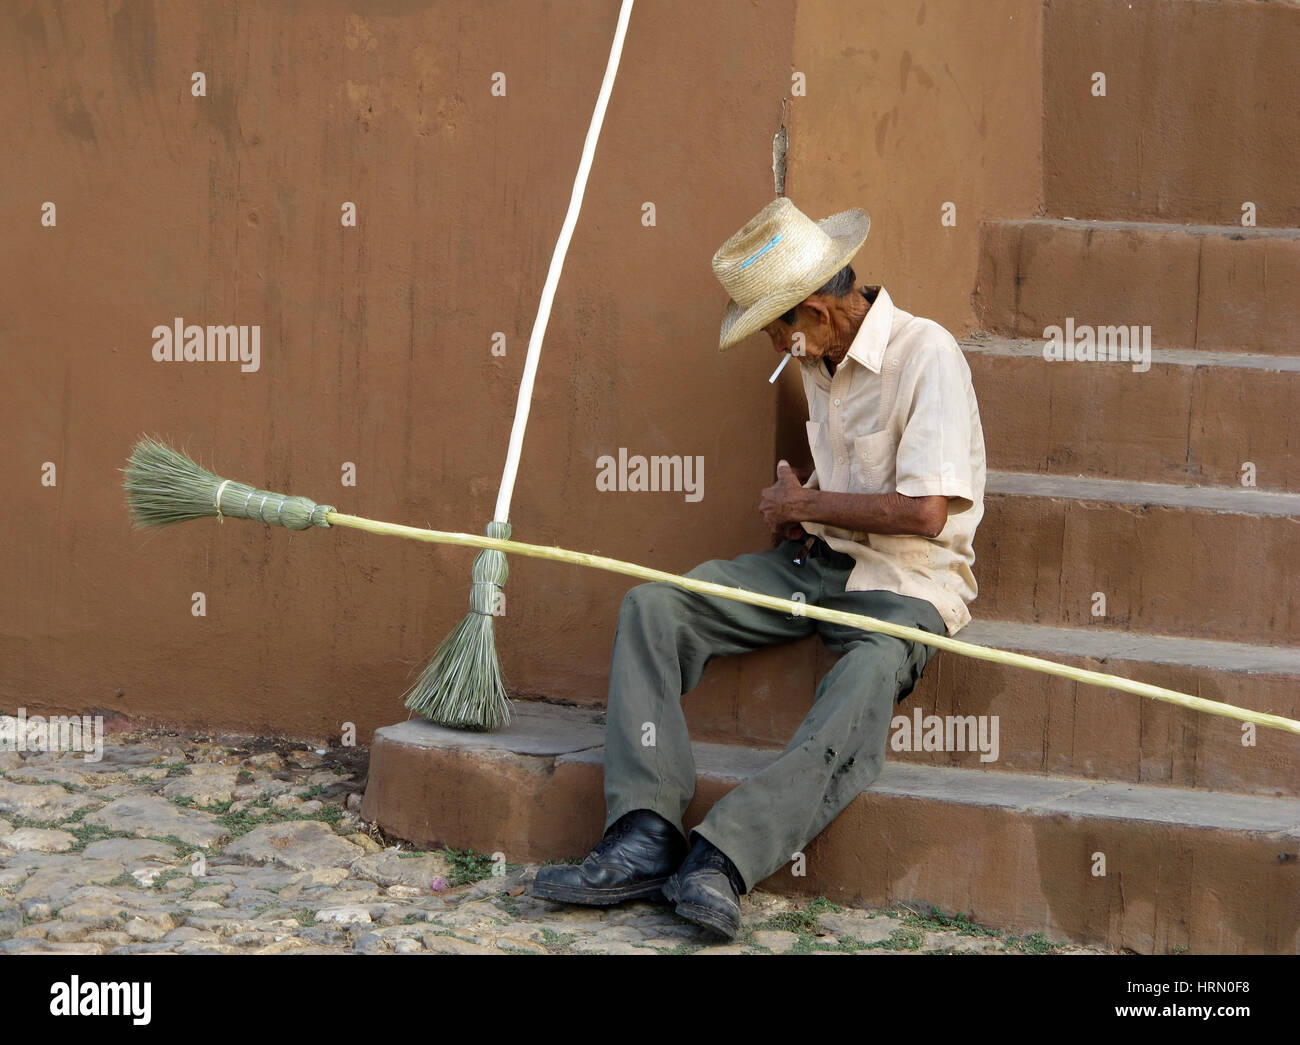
(665, 637)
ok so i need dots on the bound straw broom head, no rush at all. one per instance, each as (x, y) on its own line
(163, 486)
(461, 687)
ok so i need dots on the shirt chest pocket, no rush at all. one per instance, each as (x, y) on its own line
(874, 463)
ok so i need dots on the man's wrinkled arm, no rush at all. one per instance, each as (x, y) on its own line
(885, 513)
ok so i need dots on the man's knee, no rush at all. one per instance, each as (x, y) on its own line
(884, 663)
(874, 663)
(654, 598)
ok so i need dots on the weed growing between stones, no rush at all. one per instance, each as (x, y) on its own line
(961, 924)
(241, 822)
(1034, 943)
(558, 943)
(509, 904)
(73, 824)
(168, 876)
(466, 866)
(180, 845)
(910, 935)
(803, 922)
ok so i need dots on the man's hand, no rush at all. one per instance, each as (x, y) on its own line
(787, 503)
(779, 504)
(791, 532)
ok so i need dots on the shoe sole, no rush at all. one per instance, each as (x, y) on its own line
(704, 916)
(650, 889)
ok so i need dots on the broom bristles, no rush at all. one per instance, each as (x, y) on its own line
(462, 686)
(163, 486)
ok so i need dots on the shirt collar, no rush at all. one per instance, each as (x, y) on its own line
(872, 338)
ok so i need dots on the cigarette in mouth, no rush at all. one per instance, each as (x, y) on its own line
(777, 372)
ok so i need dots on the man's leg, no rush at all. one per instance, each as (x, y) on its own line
(665, 637)
(840, 746)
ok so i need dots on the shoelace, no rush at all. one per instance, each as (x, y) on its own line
(612, 839)
(714, 859)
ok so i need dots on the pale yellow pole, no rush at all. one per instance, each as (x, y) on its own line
(966, 649)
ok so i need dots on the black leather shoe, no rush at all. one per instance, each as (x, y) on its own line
(634, 859)
(707, 888)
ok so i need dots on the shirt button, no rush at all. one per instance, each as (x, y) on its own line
(894, 361)
(837, 402)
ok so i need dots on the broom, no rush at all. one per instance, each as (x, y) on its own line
(164, 486)
(461, 686)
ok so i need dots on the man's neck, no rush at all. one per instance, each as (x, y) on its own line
(834, 357)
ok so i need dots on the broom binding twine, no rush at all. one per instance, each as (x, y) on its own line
(489, 573)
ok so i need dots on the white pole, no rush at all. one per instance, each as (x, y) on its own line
(524, 403)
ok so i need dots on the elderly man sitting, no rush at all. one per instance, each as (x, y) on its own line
(883, 527)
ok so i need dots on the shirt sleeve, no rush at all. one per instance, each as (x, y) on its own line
(934, 453)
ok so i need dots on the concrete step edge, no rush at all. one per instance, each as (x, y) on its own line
(1027, 793)
(1017, 348)
(565, 735)
(1084, 224)
(1108, 644)
(1224, 499)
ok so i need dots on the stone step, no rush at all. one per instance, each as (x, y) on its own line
(1048, 724)
(1211, 288)
(1192, 418)
(1205, 872)
(1193, 123)
(1202, 562)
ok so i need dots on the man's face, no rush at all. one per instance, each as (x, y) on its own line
(807, 322)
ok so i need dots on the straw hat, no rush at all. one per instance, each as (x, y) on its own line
(778, 259)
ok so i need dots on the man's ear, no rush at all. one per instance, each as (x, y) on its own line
(815, 305)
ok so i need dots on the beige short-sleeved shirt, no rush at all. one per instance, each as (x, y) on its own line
(900, 414)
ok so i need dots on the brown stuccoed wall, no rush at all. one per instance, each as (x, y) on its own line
(375, 340)
(918, 105)
(1199, 115)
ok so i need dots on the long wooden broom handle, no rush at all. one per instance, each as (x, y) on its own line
(524, 403)
(966, 649)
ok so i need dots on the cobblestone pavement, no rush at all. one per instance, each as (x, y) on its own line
(235, 845)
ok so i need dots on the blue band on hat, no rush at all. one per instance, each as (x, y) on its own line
(770, 244)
